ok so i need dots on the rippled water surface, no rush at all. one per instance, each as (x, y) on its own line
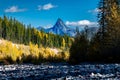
(60, 71)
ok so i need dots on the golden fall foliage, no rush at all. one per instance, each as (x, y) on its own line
(16, 52)
(10, 50)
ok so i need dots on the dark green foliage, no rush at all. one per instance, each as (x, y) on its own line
(94, 52)
(79, 48)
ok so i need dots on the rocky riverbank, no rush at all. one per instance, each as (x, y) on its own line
(60, 71)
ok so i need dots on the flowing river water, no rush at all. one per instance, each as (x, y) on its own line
(60, 71)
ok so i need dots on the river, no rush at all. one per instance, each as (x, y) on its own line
(60, 71)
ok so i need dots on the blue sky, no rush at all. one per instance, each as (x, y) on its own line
(45, 12)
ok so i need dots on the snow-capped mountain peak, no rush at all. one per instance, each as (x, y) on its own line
(60, 29)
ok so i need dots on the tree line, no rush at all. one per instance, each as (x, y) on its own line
(104, 46)
(15, 31)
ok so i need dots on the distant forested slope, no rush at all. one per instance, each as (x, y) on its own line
(15, 31)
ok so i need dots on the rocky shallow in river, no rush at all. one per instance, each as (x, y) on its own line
(55, 71)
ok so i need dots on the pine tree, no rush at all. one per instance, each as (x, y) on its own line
(79, 48)
(4, 27)
(0, 27)
(109, 32)
(28, 33)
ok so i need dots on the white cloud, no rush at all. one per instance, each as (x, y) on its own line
(48, 26)
(13, 9)
(46, 6)
(96, 10)
(82, 23)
